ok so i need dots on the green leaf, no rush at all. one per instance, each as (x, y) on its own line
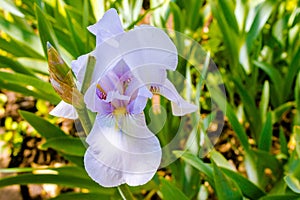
(264, 102)
(227, 8)
(226, 20)
(81, 196)
(225, 187)
(42, 126)
(66, 145)
(25, 36)
(16, 170)
(65, 170)
(250, 107)
(265, 139)
(237, 127)
(296, 131)
(278, 112)
(45, 30)
(6, 62)
(64, 180)
(178, 18)
(77, 160)
(28, 86)
(198, 164)
(280, 197)
(262, 14)
(78, 44)
(141, 17)
(275, 77)
(88, 74)
(293, 183)
(9, 6)
(292, 72)
(283, 142)
(263, 160)
(194, 17)
(249, 189)
(35, 65)
(170, 191)
(220, 160)
(297, 99)
(19, 49)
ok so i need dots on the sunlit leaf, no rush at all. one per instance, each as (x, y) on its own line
(170, 191)
(64, 180)
(28, 86)
(66, 145)
(224, 186)
(42, 126)
(45, 30)
(8, 5)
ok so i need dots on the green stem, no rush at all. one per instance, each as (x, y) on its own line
(84, 119)
(125, 192)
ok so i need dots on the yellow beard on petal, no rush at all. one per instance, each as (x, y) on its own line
(120, 111)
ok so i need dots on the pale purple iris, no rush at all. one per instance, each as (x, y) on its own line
(130, 67)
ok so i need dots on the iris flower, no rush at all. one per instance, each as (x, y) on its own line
(130, 68)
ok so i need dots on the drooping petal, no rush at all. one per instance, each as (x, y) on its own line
(122, 150)
(108, 26)
(148, 45)
(95, 104)
(65, 110)
(180, 107)
(109, 177)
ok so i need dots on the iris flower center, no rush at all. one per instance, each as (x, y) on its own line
(120, 111)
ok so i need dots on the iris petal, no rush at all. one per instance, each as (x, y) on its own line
(148, 45)
(95, 104)
(108, 26)
(79, 67)
(109, 177)
(65, 110)
(180, 107)
(137, 105)
(123, 148)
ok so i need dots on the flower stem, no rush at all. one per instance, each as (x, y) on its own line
(84, 119)
(125, 192)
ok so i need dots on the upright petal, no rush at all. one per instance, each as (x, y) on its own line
(79, 67)
(150, 74)
(107, 56)
(65, 110)
(121, 151)
(108, 26)
(148, 45)
(180, 107)
(139, 101)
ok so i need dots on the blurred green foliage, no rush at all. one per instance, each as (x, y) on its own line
(255, 45)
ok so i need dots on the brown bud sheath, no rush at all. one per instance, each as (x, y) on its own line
(61, 77)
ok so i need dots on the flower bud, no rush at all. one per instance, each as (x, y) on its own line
(61, 77)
